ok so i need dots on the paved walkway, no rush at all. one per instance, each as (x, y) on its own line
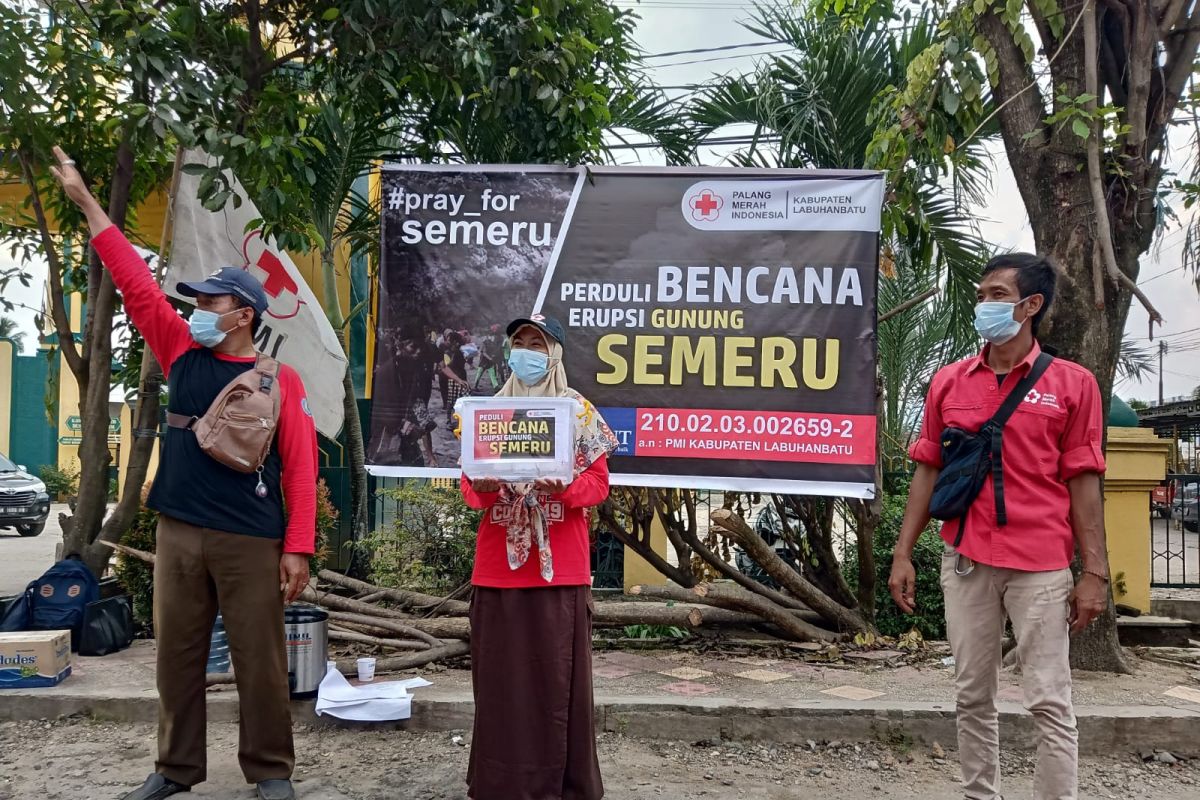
(686, 695)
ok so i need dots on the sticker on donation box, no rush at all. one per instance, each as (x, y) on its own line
(518, 438)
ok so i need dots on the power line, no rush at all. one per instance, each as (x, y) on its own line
(712, 49)
(1159, 275)
(786, 49)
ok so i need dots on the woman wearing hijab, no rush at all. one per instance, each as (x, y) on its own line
(531, 612)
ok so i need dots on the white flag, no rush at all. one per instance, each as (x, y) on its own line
(294, 329)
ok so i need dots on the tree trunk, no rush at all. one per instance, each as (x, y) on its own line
(145, 439)
(83, 527)
(351, 426)
(737, 599)
(730, 524)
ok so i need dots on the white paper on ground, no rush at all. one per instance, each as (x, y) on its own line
(371, 702)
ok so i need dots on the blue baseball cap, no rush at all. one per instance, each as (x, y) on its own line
(229, 280)
(547, 325)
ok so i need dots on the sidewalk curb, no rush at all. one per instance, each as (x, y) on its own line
(1102, 729)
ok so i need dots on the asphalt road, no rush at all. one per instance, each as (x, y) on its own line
(23, 559)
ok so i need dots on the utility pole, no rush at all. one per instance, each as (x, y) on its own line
(1162, 350)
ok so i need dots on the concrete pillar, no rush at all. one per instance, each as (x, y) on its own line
(1137, 461)
(7, 353)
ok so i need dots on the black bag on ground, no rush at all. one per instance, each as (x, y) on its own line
(968, 458)
(107, 626)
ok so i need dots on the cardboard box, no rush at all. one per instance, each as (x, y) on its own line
(34, 658)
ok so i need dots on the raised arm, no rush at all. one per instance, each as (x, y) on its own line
(147, 306)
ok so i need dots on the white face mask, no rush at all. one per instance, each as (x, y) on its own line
(994, 321)
(204, 327)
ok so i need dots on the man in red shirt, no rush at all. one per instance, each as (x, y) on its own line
(223, 537)
(1052, 462)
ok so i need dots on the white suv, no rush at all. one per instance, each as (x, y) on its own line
(24, 503)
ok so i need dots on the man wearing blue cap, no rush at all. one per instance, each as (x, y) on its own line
(223, 538)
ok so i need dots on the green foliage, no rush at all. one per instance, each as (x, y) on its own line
(327, 522)
(655, 632)
(431, 545)
(930, 616)
(60, 483)
(135, 575)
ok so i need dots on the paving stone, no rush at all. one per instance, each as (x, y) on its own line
(686, 673)
(636, 662)
(1184, 693)
(688, 688)
(613, 671)
(763, 675)
(852, 693)
(755, 662)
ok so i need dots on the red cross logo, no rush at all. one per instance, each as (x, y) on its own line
(705, 206)
(279, 285)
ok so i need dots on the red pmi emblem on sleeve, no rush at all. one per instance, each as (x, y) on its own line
(74, 590)
(47, 590)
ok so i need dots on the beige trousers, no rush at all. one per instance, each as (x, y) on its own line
(1037, 603)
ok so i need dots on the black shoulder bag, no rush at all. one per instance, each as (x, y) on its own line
(968, 458)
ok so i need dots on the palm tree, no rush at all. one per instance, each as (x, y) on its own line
(8, 330)
(345, 140)
(811, 107)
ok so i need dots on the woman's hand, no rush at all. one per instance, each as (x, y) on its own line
(70, 179)
(549, 486)
(486, 485)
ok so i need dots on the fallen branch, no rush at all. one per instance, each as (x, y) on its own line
(412, 628)
(413, 601)
(740, 600)
(348, 666)
(341, 635)
(129, 551)
(730, 525)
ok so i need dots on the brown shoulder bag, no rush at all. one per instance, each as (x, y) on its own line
(239, 426)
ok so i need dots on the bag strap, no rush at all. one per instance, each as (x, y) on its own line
(996, 426)
(268, 372)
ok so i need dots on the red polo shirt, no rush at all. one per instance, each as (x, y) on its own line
(1054, 435)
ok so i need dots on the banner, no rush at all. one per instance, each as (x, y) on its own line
(722, 320)
(294, 330)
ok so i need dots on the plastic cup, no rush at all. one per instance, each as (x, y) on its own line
(366, 669)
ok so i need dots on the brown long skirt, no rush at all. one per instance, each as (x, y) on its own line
(531, 669)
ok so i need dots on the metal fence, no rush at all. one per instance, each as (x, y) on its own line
(1174, 537)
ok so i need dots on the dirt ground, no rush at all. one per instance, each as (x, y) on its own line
(83, 760)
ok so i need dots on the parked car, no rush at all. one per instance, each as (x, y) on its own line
(24, 503)
(1184, 507)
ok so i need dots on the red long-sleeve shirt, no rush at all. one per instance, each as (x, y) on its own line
(213, 489)
(1053, 436)
(570, 542)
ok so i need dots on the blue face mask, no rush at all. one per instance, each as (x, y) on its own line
(994, 321)
(203, 326)
(529, 366)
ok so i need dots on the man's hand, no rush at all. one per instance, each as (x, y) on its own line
(70, 179)
(293, 576)
(1088, 600)
(549, 486)
(903, 584)
(485, 485)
